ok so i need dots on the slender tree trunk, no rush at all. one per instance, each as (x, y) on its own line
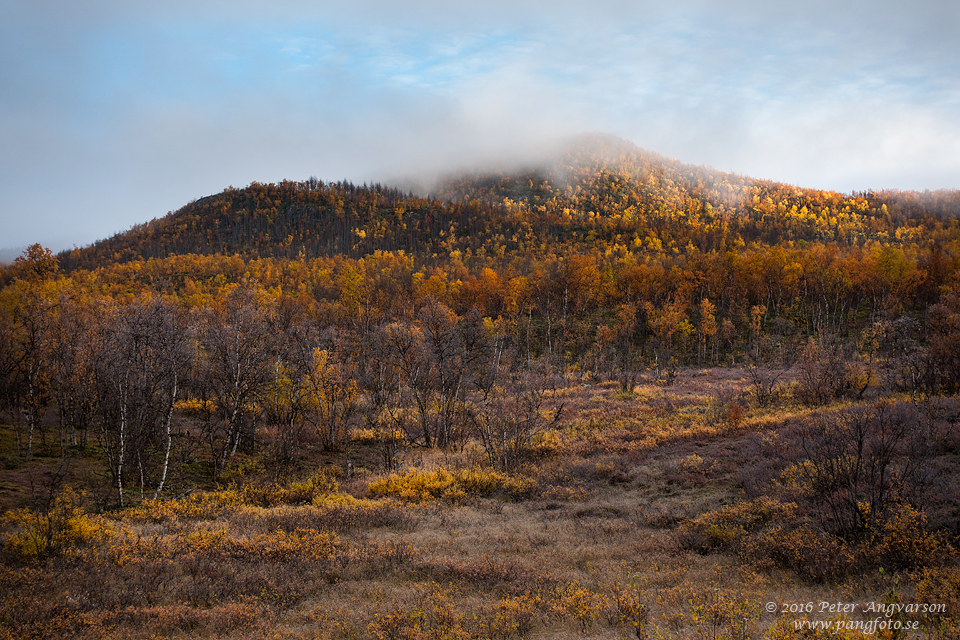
(166, 457)
(529, 329)
(123, 444)
(29, 414)
(142, 479)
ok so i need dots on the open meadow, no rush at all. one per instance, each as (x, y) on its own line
(680, 509)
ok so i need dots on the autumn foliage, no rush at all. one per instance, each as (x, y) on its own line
(610, 395)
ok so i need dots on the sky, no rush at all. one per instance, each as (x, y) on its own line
(114, 112)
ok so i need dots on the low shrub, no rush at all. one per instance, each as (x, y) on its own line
(939, 586)
(723, 528)
(170, 619)
(720, 613)
(418, 485)
(577, 602)
(336, 512)
(902, 541)
(436, 613)
(37, 533)
(812, 555)
(514, 616)
(211, 505)
(278, 546)
(489, 572)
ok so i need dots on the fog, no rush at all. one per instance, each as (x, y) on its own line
(112, 113)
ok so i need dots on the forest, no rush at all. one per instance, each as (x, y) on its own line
(608, 396)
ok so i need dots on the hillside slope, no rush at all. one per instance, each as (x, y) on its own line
(599, 191)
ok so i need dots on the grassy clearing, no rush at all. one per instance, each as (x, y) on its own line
(650, 514)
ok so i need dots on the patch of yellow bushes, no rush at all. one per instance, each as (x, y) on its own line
(419, 485)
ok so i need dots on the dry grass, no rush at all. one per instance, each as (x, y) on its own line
(635, 510)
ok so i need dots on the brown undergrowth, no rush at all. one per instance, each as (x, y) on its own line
(674, 512)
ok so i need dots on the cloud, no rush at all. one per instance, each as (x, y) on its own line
(112, 112)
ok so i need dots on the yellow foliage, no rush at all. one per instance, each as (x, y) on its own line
(205, 542)
(812, 555)
(414, 486)
(212, 504)
(903, 540)
(242, 467)
(63, 527)
(197, 506)
(194, 407)
(366, 435)
(692, 463)
(302, 543)
(279, 545)
(580, 603)
(515, 616)
(940, 586)
(418, 485)
(549, 441)
(333, 396)
(720, 528)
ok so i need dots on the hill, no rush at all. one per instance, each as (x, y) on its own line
(600, 191)
(602, 247)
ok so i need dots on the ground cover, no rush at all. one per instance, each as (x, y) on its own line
(682, 510)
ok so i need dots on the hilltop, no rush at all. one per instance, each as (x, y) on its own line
(599, 191)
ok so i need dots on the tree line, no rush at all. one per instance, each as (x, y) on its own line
(191, 359)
